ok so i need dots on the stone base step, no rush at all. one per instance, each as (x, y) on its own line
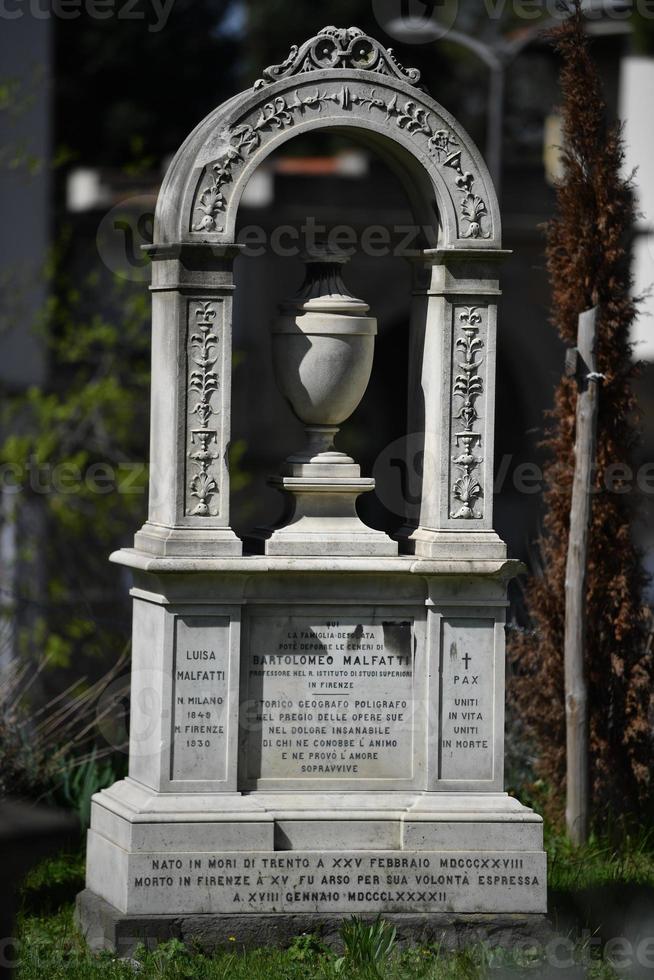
(104, 927)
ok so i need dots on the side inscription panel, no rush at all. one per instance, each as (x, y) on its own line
(467, 698)
(200, 685)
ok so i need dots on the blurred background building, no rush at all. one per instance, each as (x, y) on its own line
(92, 110)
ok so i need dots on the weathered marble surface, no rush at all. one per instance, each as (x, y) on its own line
(467, 699)
(318, 880)
(403, 642)
(453, 308)
(330, 699)
(370, 676)
(148, 849)
(200, 697)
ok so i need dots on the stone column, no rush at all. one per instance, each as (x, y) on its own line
(188, 515)
(452, 401)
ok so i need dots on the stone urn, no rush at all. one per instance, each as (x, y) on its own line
(323, 345)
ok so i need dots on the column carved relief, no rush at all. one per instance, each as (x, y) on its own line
(202, 438)
(468, 387)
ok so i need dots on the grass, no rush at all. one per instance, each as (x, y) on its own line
(51, 949)
(599, 862)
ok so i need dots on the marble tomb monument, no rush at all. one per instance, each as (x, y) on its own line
(317, 714)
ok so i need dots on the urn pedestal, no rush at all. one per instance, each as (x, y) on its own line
(323, 347)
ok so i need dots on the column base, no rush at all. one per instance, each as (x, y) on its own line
(457, 545)
(187, 542)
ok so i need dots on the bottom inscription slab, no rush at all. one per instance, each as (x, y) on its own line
(316, 881)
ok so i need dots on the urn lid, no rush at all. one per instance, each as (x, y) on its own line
(323, 289)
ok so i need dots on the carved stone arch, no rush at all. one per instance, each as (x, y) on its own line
(431, 151)
(341, 80)
(432, 210)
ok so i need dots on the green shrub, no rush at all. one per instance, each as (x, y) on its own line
(53, 883)
(368, 946)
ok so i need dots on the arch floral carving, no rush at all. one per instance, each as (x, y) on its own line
(340, 78)
(378, 106)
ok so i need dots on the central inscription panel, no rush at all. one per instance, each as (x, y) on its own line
(329, 699)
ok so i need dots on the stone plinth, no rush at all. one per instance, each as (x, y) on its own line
(338, 752)
(105, 928)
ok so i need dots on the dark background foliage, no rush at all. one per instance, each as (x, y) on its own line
(588, 264)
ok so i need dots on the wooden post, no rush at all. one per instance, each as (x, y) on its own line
(580, 363)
